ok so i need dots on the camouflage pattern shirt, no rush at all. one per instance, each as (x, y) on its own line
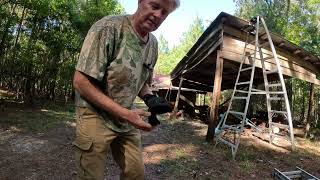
(119, 61)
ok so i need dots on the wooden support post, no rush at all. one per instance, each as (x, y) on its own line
(310, 111)
(175, 110)
(289, 92)
(214, 115)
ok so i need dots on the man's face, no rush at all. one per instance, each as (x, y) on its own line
(151, 13)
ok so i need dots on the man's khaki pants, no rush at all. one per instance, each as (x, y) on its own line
(93, 140)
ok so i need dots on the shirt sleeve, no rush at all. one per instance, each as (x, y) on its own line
(96, 51)
(154, 61)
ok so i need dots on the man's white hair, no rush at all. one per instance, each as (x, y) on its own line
(176, 3)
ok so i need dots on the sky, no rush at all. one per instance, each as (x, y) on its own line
(179, 21)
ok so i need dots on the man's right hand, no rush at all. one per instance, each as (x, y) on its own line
(135, 116)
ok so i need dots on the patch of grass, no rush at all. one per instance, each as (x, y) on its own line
(247, 153)
(180, 153)
(247, 166)
(183, 166)
(39, 119)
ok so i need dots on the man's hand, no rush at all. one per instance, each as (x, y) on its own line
(135, 116)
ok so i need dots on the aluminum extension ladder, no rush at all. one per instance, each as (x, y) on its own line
(243, 90)
(297, 174)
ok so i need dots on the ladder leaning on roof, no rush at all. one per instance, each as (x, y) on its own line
(243, 90)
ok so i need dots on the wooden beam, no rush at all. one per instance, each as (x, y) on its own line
(286, 71)
(281, 44)
(175, 110)
(214, 116)
(227, 52)
(264, 37)
(307, 58)
(298, 51)
(285, 56)
(182, 97)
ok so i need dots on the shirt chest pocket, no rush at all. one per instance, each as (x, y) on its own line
(120, 81)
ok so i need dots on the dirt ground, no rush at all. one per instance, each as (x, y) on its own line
(175, 150)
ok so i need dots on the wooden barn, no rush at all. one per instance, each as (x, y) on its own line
(212, 63)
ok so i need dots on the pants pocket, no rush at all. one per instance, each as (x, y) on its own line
(83, 146)
(83, 143)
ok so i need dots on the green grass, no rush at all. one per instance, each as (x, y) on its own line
(182, 166)
(247, 166)
(38, 119)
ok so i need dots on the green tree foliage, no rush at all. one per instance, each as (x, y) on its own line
(169, 58)
(40, 41)
(297, 21)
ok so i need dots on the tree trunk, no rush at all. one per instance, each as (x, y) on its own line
(303, 110)
(310, 111)
(2, 43)
(19, 29)
(6, 31)
(289, 92)
(29, 64)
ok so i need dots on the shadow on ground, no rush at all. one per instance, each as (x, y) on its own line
(174, 150)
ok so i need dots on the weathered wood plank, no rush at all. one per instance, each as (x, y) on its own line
(237, 46)
(289, 72)
(283, 63)
(289, 55)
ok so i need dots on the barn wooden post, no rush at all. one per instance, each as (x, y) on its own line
(310, 111)
(214, 115)
(175, 110)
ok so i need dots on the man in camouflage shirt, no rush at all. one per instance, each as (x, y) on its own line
(115, 66)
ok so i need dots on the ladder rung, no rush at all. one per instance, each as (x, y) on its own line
(246, 69)
(240, 98)
(257, 91)
(282, 126)
(276, 92)
(227, 143)
(237, 113)
(306, 174)
(241, 91)
(294, 176)
(276, 98)
(264, 44)
(230, 127)
(242, 83)
(291, 173)
(273, 85)
(278, 112)
(271, 72)
(269, 57)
